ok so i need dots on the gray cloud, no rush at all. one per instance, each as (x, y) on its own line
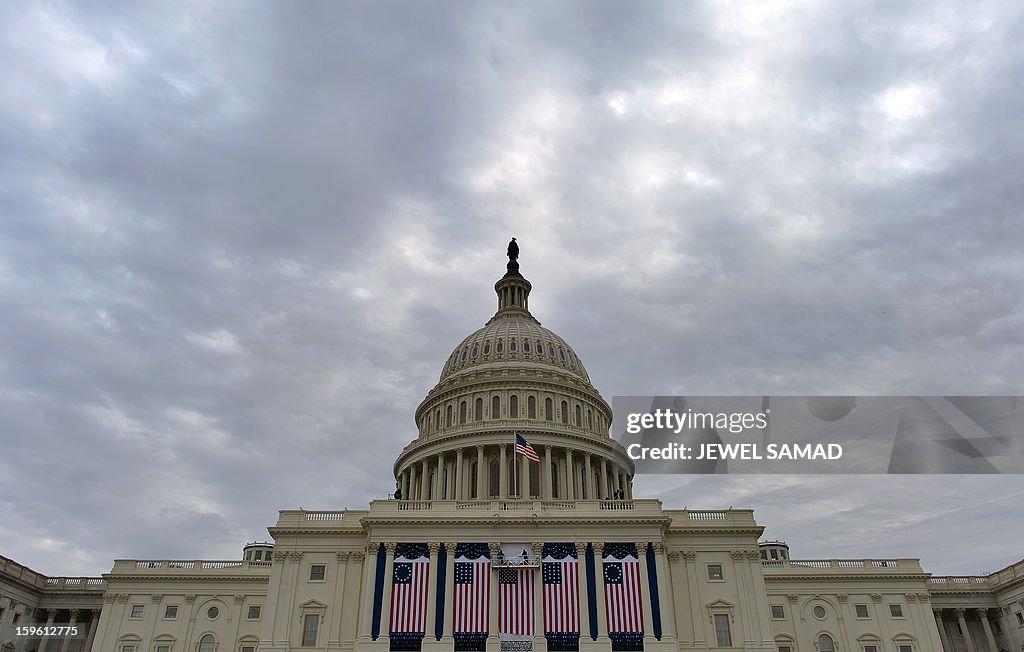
(239, 241)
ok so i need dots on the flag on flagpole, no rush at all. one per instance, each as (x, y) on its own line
(523, 448)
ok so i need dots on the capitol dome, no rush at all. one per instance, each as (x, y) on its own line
(513, 376)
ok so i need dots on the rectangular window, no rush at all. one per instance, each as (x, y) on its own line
(2, 612)
(722, 632)
(171, 612)
(906, 648)
(861, 610)
(309, 627)
(715, 572)
(127, 648)
(870, 648)
(254, 612)
(317, 573)
(163, 648)
(17, 618)
(785, 648)
(248, 648)
(1020, 617)
(896, 610)
(778, 612)
(138, 610)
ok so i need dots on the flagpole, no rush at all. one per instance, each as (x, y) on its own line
(515, 452)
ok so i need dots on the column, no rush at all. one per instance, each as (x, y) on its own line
(71, 623)
(942, 630)
(502, 473)
(581, 578)
(413, 482)
(570, 486)
(539, 641)
(369, 571)
(439, 483)
(684, 625)
(602, 610)
(459, 493)
(989, 636)
(385, 603)
(424, 476)
(696, 599)
(645, 591)
(431, 626)
(94, 619)
(449, 592)
(481, 473)
(50, 615)
(616, 481)
(492, 602)
(604, 480)
(963, 628)
(588, 479)
(524, 477)
(339, 592)
(665, 597)
(545, 476)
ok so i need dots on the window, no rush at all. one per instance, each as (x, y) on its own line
(171, 612)
(309, 627)
(449, 420)
(512, 346)
(540, 347)
(138, 610)
(778, 612)
(526, 346)
(531, 408)
(819, 612)
(548, 409)
(248, 648)
(495, 407)
(317, 572)
(163, 648)
(715, 572)
(579, 417)
(463, 408)
(254, 612)
(825, 644)
(17, 618)
(212, 613)
(906, 648)
(487, 348)
(722, 633)
(1020, 617)
(785, 648)
(871, 648)
(501, 346)
(206, 643)
(478, 410)
(896, 610)
(565, 411)
(764, 554)
(495, 487)
(590, 419)
(128, 648)
(861, 610)
(513, 407)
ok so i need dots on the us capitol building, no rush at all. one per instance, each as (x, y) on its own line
(483, 548)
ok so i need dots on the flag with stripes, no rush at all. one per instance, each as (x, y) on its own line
(560, 577)
(409, 589)
(622, 588)
(472, 589)
(515, 604)
(523, 448)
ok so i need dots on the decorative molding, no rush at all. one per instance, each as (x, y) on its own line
(737, 555)
(690, 555)
(110, 597)
(754, 555)
(280, 555)
(581, 549)
(641, 547)
(122, 597)
(911, 597)
(157, 598)
(390, 547)
(342, 556)
(960, 612)
(358, 556)
(598, 549)
(190, 598)
(674, 555)
(876, 597)
(659, 546)
(75, 612)
(239, 598)
(538, 549)
(793, 597)
(843, 597)
(295, 555)
(924, 597)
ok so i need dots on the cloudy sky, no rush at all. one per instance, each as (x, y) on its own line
(238, 241)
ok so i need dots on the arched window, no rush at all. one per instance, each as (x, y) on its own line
(207, 643)
(825, 644)
(590, 419)
(599, 492)
(554, 479)
(473, 354)
(512, 346)
(449, 420)
(473, 478)
(437, 420)
(487, 348)
(462, 412)
(526, 346)
(501, 346)
(548, 409)
(585, 494)
(513, 407)
(565, 412)
(534, 479)
(531, 408)
(579, 419)
(443, 492)
(494, 479)
(551, 351)
(540, 347)
(495, 407)
(430, 487)
(478, 410)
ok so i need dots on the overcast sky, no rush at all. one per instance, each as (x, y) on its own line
(238, 241)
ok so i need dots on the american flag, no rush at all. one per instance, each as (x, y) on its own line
(472, 589)
(409, 589)
(523, 448)
(515, 601)
(561, 589)
(622, 588)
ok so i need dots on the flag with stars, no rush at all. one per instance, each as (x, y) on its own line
(561, 589)
(523, 448)
(409, 589)
(515, 603)
(623, 602)
(472, 590)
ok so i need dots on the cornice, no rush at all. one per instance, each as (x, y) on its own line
(505, 521)
(132, 577)
(921, 577)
